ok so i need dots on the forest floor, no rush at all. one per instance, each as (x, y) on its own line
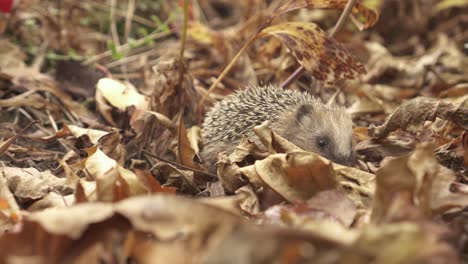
(102, 104)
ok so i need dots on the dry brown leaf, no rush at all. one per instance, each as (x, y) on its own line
(273, 142)
(327, 60)
(295, 176)
(51, 200)
(376, 150)
(401, 243)
(31, 184)
(153, 185)
(330, 205)
(139, 115)
(111, 178)
(185, 152)
(414, 112)
(359, 185)
(249, 202)
(229, 173)
(413, 181)
(93, 134)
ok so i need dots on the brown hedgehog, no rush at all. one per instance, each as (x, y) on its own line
(296, 116)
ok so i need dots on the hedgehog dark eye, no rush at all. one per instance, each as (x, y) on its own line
(322, 142)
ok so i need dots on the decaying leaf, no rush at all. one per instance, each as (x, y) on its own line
(93, 134)
(111, 178)
(418, 110)
(273, 142)
(31, 184)
(295, 176)
(413, 181)
(185, 152)
(327, 60)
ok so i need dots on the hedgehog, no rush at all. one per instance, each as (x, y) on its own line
(297, 116)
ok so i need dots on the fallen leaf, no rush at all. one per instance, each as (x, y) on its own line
(121, 95)
(327, 60)
(295, 176)
(415, 111)
(30, 184)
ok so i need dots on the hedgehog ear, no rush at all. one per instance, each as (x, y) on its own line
(303, 110)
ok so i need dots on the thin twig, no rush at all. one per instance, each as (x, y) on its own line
(126, 46)
(339, 24)
(179, 165)
(5, 145)
(129, 18)
(182, 44)
(113, 24)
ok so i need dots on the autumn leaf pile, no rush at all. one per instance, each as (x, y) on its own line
(101, 104)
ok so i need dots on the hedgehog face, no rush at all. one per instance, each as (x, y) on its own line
(325, 130)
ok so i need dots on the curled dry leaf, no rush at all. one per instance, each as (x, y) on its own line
(153, 185)
(110, 177)
(273, 142)
(418, 110)
(111, 145)
(329, 205)
(310, 219)
(358, 184)
(30, 184)
(51, 200)
(327, 60)
(114, 94)
(93, 134)
(295, 176)
(121, 95)
(359, 12)
(403, 242)
(249, 202)
(185, 151)
(229, 173)
(414, 180)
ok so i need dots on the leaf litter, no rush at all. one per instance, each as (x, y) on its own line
(100, 133)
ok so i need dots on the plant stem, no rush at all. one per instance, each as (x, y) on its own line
(183, 41)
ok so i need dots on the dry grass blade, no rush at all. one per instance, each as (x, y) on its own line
(4, 146)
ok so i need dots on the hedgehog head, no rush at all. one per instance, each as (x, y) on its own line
(326, 130)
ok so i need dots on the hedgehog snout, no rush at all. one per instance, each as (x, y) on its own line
(344, 159)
